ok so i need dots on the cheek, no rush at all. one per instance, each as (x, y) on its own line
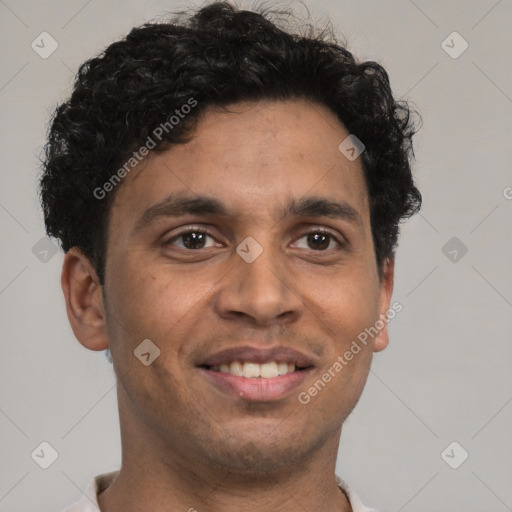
(149, 303)
(153, 301)
(343, 308)
(346, 302)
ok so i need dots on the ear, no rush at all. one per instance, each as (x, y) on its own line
(84, 300)
(381, 340)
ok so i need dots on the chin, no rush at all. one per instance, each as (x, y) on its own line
(254, 460)
(263, 454)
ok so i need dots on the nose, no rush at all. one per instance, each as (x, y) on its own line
(261, 292)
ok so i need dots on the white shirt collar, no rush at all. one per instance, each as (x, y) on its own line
(89, 501)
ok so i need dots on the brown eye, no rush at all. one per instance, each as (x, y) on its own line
(193, 239)
(319, 240)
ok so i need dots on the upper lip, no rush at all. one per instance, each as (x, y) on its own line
(258, 355)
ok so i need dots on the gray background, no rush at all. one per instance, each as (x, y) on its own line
(446, 375)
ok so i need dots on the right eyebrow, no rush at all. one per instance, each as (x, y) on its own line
(176, 205)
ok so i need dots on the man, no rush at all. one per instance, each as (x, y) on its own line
(228, 198)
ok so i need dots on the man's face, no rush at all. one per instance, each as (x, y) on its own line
(212, 299)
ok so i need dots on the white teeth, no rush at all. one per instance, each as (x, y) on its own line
(236, 369)
(268, 370)
(251, 370)
(282, 368)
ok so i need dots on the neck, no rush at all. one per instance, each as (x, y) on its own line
(157, 476)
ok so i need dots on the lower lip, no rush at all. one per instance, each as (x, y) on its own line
(258, 389)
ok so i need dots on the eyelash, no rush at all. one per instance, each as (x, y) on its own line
(205, 231)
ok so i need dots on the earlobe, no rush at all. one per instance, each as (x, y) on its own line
(386, 290)
(84, 300)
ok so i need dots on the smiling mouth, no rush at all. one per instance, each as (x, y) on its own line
(252, 370)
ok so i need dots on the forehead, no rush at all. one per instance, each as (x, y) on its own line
(253, 157)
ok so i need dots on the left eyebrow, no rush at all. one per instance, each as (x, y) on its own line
(180, 204)
(311, 206)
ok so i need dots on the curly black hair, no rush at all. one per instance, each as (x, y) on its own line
(216, 56)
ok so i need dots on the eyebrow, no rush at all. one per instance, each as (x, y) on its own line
(180, 204)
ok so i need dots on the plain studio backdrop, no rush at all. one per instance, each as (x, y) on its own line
(432, 431)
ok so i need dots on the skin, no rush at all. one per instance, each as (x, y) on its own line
(186, 444)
